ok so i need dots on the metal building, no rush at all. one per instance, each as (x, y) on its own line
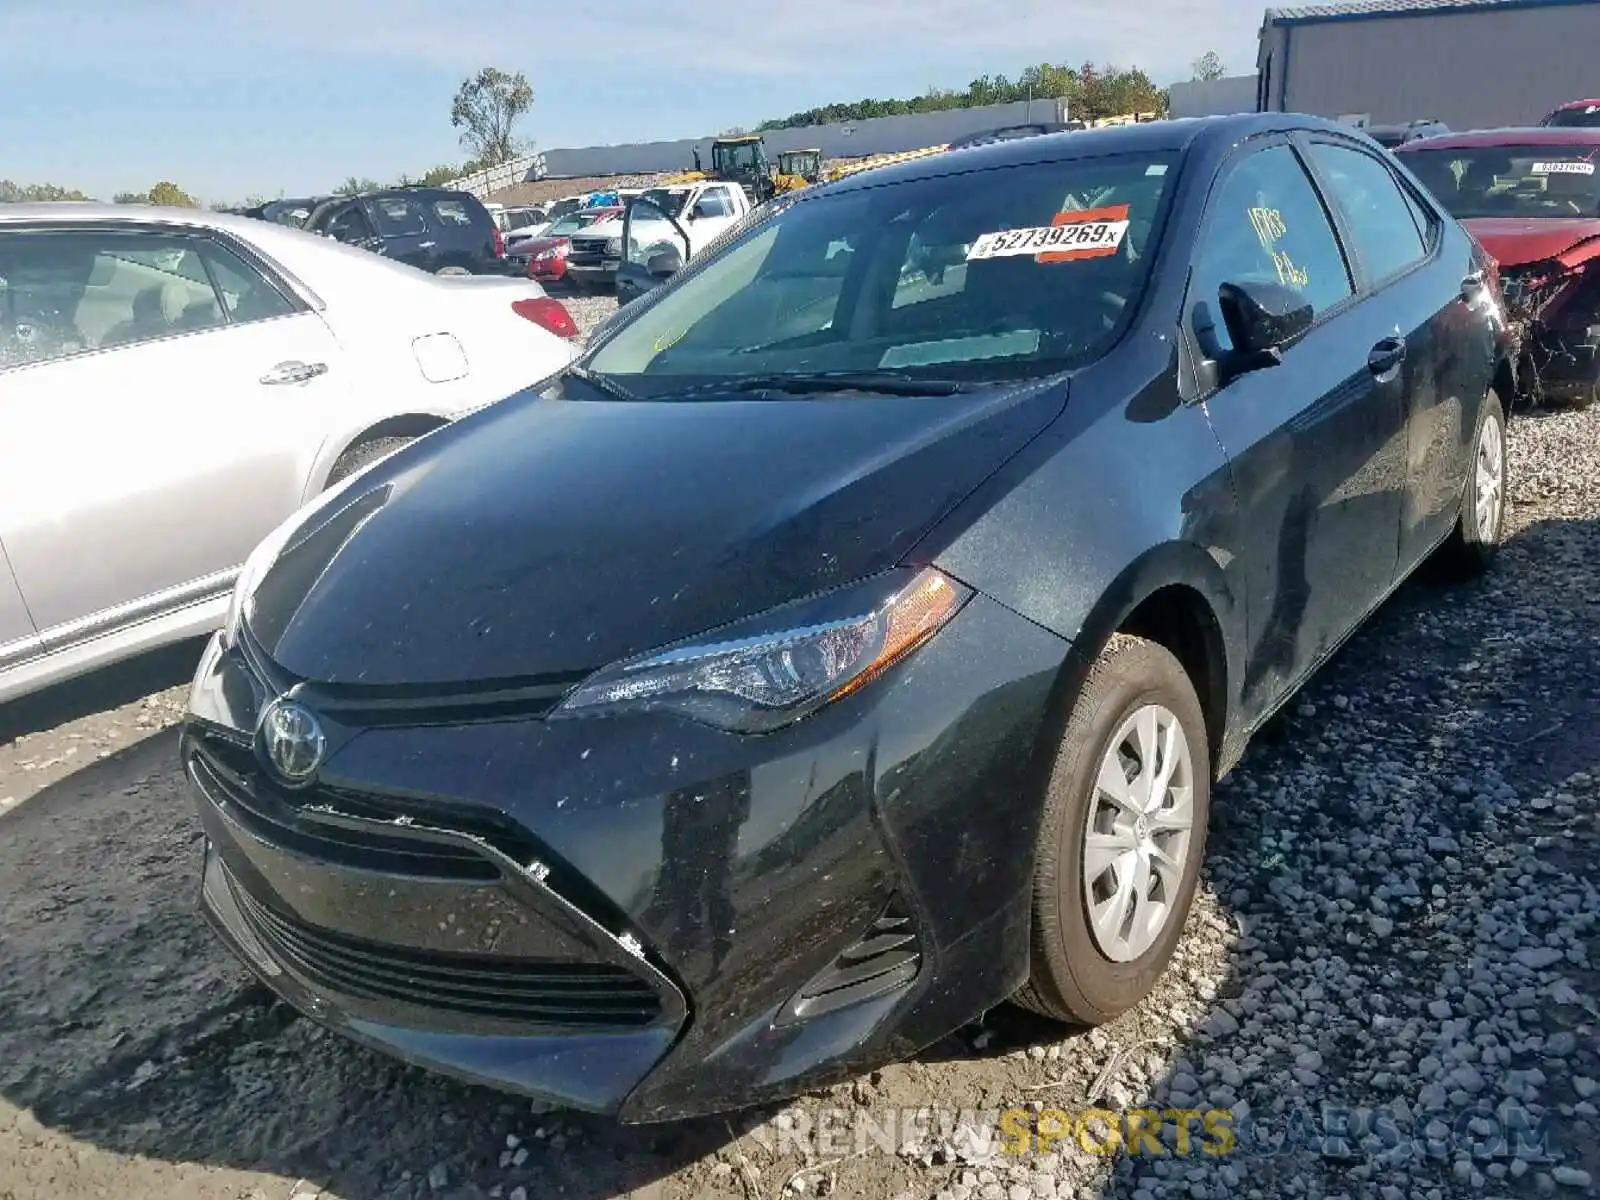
(1473, 64)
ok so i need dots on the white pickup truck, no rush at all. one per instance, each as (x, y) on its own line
(699, 210)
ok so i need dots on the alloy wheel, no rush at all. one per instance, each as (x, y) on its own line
(1490, 466)
(1138, 833)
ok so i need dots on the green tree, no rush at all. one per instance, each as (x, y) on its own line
(440, 175)
(170, 194)
(353, 186)
(131, 198)
(33, 193)
(1209, 66)
(486, 109)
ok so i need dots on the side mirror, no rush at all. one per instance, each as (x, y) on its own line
(1263, 320)
(664, 263)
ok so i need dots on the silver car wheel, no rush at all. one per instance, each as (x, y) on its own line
(1138, 833)
(1490, 480)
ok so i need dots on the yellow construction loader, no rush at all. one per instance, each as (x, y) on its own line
(797, 169)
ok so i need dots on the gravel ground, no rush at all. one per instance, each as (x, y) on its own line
(1394, 951)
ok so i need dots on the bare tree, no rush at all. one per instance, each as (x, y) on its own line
(1208, 67)
(486, 109)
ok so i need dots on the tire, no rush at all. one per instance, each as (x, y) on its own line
(452, 271)
(1072, 977)
(1480, 526)
(363, 453)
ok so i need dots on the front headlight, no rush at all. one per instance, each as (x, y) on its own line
(764, 673)
(613, 247)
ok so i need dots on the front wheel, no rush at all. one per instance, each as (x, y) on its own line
(1122, 836)
(1480, 528)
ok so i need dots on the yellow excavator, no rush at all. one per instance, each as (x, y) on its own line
(740, 159)
(797, 169)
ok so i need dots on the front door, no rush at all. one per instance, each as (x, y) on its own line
(654, 249)
(164, 420)
(1315, 444)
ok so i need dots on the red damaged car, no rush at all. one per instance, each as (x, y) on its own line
(547, 254)
(1532, 198)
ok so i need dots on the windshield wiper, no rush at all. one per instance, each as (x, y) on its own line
(602, 383)
(886, 383)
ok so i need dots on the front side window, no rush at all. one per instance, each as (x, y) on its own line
(1375, 211)
(1014, 272)
(350, 224)
(69, 292)
(399, 217)
(1512, 181)
(1268, 226)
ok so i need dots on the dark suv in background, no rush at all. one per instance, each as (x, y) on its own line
(435, 229)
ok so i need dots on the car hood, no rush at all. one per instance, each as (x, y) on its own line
(1516, 241)
(548, 535)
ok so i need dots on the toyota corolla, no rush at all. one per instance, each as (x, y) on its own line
(848, 641)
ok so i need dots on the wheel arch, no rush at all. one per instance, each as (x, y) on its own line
(1177, 595)
(406, 425)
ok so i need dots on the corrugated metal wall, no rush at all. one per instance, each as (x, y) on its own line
(1214, 97)
(1471, 70)
(880, 135)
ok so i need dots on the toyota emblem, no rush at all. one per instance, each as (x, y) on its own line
(292, 740)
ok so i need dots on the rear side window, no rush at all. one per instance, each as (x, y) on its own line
(399, 217)
(454, 214)
(70, 292)
(1381, 222)
(1267, 225)
(247, 295)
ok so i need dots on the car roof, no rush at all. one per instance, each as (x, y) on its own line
(1571, 104)
(97, 212)
(1537, 135)
(1146, 137)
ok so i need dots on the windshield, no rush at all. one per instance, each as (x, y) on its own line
(1584, 116)
(668, 200)
(731, 160)
(1512, 181)
(575, 222)
(1009, 273)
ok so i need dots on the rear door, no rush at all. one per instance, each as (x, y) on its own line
(1315, 444)
(160, 421)
(1416, 301)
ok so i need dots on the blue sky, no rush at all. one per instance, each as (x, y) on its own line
(231, 97)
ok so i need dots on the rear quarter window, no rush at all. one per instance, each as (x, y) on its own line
(454, 214)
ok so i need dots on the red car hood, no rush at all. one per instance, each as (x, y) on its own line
(1514, 241)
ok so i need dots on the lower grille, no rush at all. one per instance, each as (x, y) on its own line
(550, 994)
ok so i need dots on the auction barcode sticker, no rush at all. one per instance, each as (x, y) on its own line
(1563, 168)
(1088, 234)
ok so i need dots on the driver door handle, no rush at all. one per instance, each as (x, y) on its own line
(1386, 356)
(294, 372)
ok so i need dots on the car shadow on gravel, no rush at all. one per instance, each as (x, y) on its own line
(1438, 741)
(1408, 854)
(110, 687)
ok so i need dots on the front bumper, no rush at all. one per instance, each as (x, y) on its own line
(642, 916)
